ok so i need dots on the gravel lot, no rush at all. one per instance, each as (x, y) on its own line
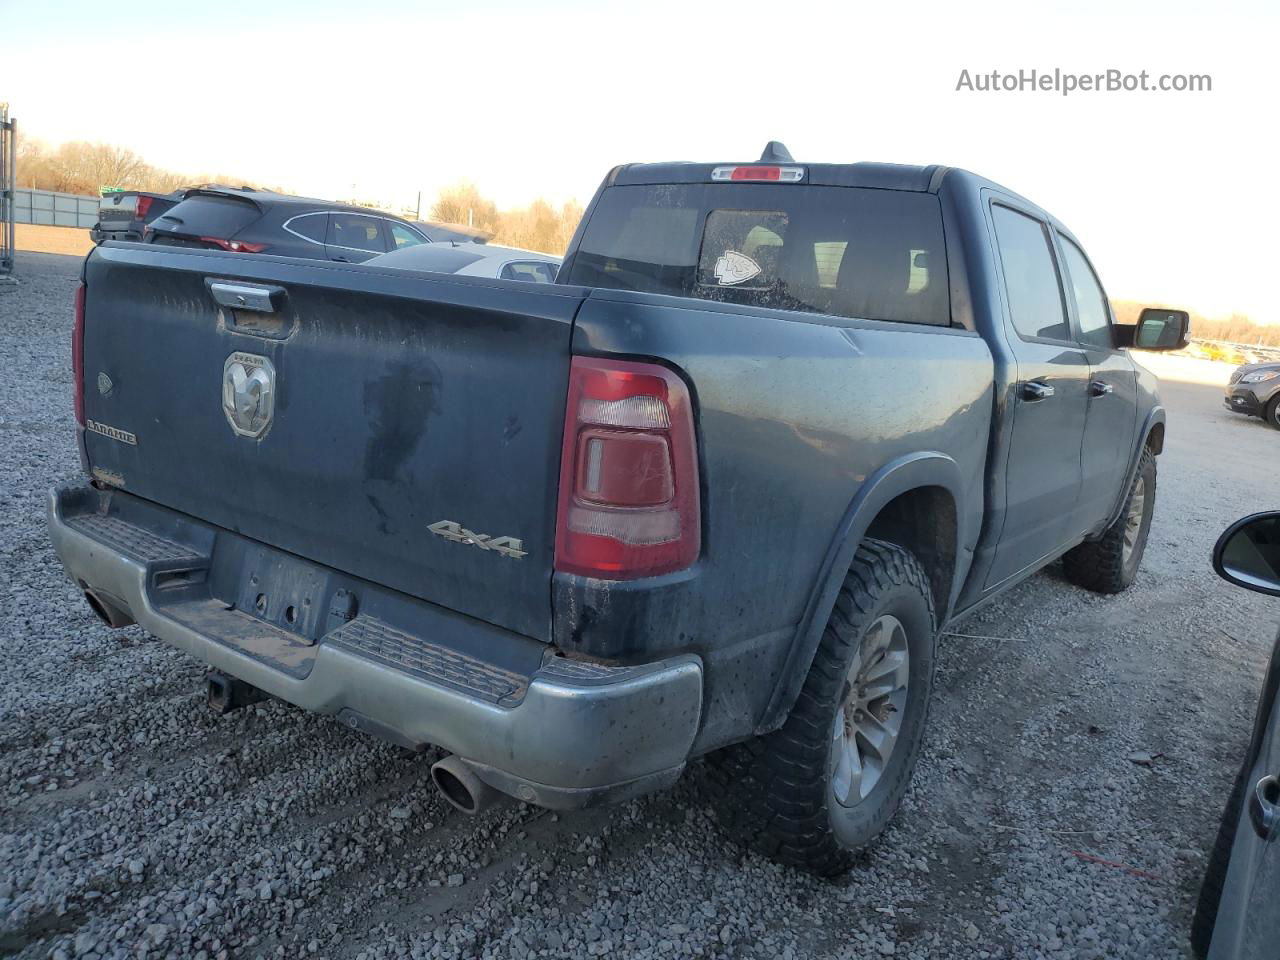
(134, 823)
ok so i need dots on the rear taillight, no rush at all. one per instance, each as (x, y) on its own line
(629, 504)
(235, 246)
(141, 208)
(77, 354)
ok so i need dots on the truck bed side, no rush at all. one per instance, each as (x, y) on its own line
(799, 417)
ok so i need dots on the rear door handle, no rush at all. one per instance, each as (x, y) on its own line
(245, 296)
(1100, 388)
(1033, 391)
(1263, 812)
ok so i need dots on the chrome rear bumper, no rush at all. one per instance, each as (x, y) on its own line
(553, 731)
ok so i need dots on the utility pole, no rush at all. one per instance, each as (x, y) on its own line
(417, 215)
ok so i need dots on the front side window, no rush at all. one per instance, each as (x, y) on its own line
(402, 236)
(1030, 278)
(355, 232)
(1091, 302)
(841, 251)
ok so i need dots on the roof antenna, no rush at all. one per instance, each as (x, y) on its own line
(775, 152)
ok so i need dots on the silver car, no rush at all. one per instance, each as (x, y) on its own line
(473, 260)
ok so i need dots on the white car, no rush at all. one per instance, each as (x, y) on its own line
(473, 260)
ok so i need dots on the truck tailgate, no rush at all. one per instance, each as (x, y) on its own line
(403, 428)
(117, 210)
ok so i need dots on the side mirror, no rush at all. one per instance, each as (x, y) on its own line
(1248, 553)
(1160, 329)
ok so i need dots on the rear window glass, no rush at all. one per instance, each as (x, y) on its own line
(210, 216)
(844, 251)
(118, 206)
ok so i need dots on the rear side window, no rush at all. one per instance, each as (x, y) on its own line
(355, 232)
(1091, 303)
(209, 215)
(1030, 278)
(311, 226)
(843, 251)
(537, 271)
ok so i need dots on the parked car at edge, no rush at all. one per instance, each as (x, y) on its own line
(717, 490)
(1236, 916)
(1254, 389)
(124, 215)
(244, 220)
(474, 260)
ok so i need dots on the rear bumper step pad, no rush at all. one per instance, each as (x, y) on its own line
(562, 734)
(381, 642)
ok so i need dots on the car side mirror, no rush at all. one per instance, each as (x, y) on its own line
(1160, 329)
(1248, 553)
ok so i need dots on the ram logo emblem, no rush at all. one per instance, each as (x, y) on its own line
(456, 533)
(248, 393)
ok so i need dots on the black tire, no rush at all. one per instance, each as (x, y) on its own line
(1272, 413)
(1215, 872)
(1103, 565)
(774, 793)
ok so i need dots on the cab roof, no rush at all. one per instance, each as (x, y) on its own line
(881, 176)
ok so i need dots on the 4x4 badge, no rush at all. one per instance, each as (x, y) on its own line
(506, 546)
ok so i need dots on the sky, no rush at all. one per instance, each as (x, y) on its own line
(1167, 191)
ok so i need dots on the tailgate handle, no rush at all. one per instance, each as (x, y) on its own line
(245, 296)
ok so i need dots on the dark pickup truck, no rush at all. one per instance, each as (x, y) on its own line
(124, 214)
(717, 491)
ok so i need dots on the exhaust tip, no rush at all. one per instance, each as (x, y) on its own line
(459, 785)
(454, 790)
(107, 612)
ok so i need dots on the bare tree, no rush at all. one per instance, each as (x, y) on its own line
(33, 158)
(86, 168)
(80, 167)
(462, 203)
(538, 226)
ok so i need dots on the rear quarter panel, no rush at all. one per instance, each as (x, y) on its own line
(794, 416)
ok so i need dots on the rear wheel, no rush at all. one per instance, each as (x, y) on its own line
(1110, 563)
(826, 783)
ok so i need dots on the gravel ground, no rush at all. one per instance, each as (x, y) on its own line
(135, 823)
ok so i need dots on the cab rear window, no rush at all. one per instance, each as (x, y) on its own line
(841, 251)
